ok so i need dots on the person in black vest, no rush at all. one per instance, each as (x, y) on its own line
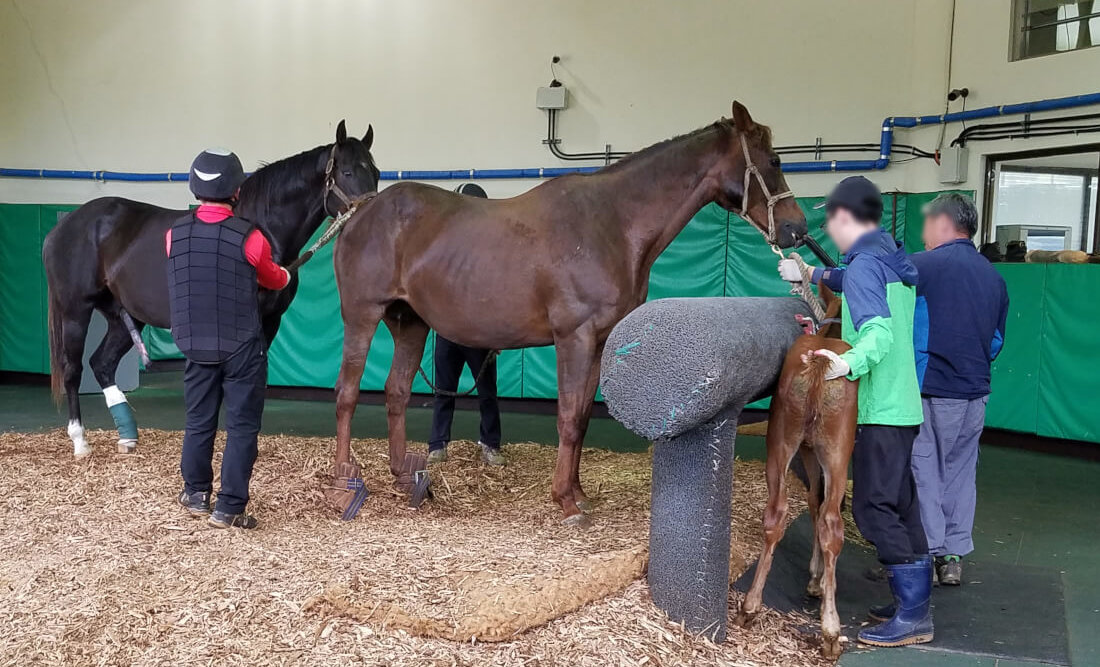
(215, 263)
(449, 359)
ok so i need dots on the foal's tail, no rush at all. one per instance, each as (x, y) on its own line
(57, 367)
(815, 371)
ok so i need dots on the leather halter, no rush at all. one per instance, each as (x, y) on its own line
(330, 184)
(750, 171)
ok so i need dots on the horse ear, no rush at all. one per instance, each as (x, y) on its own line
(368, 138)
(741, 117)
(341, 133)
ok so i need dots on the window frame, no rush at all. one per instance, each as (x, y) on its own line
(990, 188)
(1019, 25)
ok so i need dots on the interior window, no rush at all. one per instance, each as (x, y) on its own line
(1042, 27)
(1047, 201)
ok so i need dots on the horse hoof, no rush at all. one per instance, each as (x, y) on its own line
(813, 589)
(340, 499)
(82, 452)
(831, 647)
(580, 521)
(585, 506)
(127, 446)
(743, 620)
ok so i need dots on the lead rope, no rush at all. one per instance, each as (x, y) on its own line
(803, 288)
(334, 228)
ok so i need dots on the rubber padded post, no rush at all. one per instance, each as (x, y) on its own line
(689, 536)
(678, 372)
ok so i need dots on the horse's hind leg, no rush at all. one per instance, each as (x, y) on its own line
(583, 503)
(781, 449)
(104, 363)
(813, 500)
(830, 535)
(409, 335)
(578, 373)
(74, 329)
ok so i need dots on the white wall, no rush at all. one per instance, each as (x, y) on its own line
(133, 85)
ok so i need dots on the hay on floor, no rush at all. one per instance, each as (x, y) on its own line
(99, 566)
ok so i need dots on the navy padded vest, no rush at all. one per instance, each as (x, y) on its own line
(212, 288)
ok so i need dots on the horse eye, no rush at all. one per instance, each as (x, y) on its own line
(776, 162)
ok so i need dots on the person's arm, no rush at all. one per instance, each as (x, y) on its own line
(998, 342)
(257, 251)
(866, 298)
(168, 242)
(832, 277)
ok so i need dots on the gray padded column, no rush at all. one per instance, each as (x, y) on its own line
(689, 535)
(678, 371)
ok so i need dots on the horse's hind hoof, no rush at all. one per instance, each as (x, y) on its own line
(831, 647)
(82, 452)
(127, 446)
(580, 521)
(743, 620)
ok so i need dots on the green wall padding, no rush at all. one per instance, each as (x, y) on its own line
(1040, 384)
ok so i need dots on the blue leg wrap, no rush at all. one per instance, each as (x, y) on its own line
(123, 415)
(361, 493)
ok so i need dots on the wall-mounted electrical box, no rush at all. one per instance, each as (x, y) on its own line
(953, 164)
(551, 97)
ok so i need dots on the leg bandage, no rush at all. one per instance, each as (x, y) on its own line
(123, 415)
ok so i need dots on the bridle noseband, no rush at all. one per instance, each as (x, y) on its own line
(331, 186)
(750, 171)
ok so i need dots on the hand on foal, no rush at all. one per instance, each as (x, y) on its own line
(838, 368)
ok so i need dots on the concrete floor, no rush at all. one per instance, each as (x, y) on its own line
(1034, 509)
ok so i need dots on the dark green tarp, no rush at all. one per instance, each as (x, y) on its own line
(1040, 384)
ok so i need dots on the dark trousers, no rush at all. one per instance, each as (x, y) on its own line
(239, 382)
(449, 359)
(884, 493)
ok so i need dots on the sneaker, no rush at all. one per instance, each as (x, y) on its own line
(950, 570)
(491, 455)
(220, 519)
(197, 504)
(436, 456)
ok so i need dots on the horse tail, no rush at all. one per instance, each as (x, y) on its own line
(57, 356)
(815, 371)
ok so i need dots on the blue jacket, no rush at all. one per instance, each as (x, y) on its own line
(962, 305)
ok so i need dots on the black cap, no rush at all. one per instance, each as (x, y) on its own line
(857, 194)
(472, 190)
(216, 175)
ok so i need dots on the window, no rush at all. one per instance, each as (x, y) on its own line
(1042, 27)
(1048, 199)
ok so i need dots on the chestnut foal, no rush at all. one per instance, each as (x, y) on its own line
(817, 418)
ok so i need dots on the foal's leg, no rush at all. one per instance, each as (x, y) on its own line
(409, 335)
(359, 330)
(74, 329)
(781, 448)
(104, 363)
(813, 500)
(834, 454)
(578, 370)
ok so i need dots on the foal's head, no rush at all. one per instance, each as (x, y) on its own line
(749, 174)
(351, 169)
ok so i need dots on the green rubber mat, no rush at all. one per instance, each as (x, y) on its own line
(1002, 611)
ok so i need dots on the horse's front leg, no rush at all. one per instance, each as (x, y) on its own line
(409, 335)
(578, 376)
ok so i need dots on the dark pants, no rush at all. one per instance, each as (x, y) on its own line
(449, 359)
(884, 494)
(239, 382)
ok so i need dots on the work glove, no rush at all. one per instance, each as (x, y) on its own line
(794, 270)
(838, 368)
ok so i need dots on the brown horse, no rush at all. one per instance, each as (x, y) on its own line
(561, 263)
(817, 418)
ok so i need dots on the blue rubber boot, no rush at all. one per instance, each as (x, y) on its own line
(884, 612)
(911, 585)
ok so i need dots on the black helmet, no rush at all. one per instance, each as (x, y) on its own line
(472, 190)
(216, 175)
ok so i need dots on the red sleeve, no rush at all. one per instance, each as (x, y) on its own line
(258, 253)
(168, 242)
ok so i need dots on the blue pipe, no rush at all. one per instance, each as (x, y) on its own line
(886, 141)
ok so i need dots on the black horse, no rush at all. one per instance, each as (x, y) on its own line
(109, 255)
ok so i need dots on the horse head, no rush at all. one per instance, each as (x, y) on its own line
(350, 172)
(752, 185)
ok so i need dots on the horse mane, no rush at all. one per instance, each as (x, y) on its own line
(282, 180)
(724, 127)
